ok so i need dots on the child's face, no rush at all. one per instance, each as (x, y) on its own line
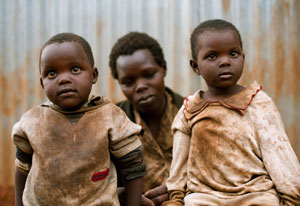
(220, 59)
(142, 80)
(67, 75)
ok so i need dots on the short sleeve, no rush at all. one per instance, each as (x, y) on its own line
(123, 135)
(180, 123)
(24, 149)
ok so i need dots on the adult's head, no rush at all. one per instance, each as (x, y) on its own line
(138, 63)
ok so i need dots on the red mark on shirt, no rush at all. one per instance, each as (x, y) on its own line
(100, 175)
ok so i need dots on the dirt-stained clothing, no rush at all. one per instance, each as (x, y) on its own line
(71, 160)
(157, 151)
(228, 149)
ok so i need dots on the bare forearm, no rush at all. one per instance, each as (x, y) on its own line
(133, 191)
(20, 180)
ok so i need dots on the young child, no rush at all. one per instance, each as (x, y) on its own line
(230, 146)
(137, 62)
(65, 145)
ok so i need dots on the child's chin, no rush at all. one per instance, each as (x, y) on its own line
(70, 107)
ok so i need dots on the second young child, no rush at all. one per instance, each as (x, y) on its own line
(65, 145)
(230, 146)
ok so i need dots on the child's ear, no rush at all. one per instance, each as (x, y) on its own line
(195, 67)
(95, 75)
(41, 81)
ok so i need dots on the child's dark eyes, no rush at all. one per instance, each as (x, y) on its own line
(211, 57)
(75, 70)
(234, 54)
(51, 74)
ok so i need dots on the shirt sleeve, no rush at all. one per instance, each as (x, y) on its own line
(278, 156)
(131, 165)
(24, 150)
(176, 183)
(123, 135)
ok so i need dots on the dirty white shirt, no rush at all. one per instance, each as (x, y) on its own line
(71, 163)
(233, 147)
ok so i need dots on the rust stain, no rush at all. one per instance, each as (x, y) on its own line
(293, 134)
(99, 28)
(284, 31)
(14, 99)
(226, 5)
(295, 74)
(279, 67)
(7, 195)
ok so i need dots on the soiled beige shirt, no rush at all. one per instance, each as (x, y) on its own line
(71, 163)
(233, 147)
(157, 151)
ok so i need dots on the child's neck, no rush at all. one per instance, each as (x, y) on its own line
(215, 94)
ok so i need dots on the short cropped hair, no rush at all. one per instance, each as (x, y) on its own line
(70, 37)
(210, 25)
(132, 42)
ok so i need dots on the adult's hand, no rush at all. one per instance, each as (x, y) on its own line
(146, 201)
(157, 195)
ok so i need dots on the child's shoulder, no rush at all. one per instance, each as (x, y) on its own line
(35, 111)
(262, 98)
(111, 109)
(262, 103)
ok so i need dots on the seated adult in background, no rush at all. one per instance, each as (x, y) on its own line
(137, 62)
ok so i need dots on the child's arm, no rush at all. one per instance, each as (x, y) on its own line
(23, 161)
(133, 191)
(131, 168)
(176, 183)
(278, 156)
(20, 179)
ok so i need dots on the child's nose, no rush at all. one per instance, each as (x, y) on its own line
(224, 61)
(64, 79)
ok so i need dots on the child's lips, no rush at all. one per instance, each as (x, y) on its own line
(225, 75)
(66, 92)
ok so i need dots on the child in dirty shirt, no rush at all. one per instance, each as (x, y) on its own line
(230, 146)
(64, 146)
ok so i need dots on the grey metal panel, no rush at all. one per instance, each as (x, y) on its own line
(270, 31)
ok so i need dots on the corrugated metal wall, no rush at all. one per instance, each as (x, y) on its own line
(270, 30)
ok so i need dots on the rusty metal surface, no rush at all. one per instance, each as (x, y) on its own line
(270, 31)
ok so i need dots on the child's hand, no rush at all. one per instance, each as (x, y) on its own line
(158, 195)
(171, 203)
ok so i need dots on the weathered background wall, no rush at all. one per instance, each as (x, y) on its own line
(270, 30)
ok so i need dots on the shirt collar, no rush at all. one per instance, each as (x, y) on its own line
(92, 101)
(194, 104)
